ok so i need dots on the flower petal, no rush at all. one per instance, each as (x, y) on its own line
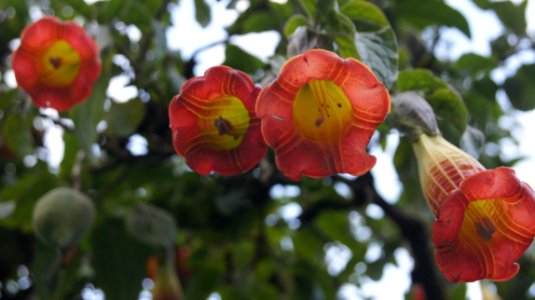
(214, 124)
(483, 227)
(305, 118)
(441, 168)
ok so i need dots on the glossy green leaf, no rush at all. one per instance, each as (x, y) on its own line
(378, 50)
(124, 118)
(520, 88)
(346, 46)
(375, 42)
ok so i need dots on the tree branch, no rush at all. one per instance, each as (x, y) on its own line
(413, 231)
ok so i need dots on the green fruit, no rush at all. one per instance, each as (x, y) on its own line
(63, 216)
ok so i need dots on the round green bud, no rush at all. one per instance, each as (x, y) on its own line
(63, 216)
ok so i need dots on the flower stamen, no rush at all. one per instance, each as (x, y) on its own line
(485, 228)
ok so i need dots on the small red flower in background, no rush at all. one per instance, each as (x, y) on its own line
(214, 124)
(166, 283)
(320, 113)
(485, 218)
(57, 63)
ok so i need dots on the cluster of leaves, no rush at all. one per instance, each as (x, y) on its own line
(241, 241)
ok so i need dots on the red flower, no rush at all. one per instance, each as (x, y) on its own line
(57, 63)
(214, 124)
(320, 113)
(485, 218)
(166, 283)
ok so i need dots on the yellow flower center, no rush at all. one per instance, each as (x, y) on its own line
(321, 111)
(61, 63)
(479, 223)
(225, 123)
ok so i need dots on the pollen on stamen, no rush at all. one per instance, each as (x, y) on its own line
(223, 126)
(485, 228)
(319, 121)
(56, 62)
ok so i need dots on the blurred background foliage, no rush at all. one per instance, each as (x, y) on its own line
(257, 235)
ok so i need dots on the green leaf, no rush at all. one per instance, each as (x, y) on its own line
(457, 292)
(17, 133)
(346, 46)
(452, 115)
(46, 269)
(339, 24)
(124, 118)
(119, 261)
(151, 225)
(307, 244)
(69, 155)
(202, 12)
(206, 279)
(378, 50)
(336, 226)
(419, 80)
(309, 6)
(79, 7)
(239, 59)
(258, 22)
(25, 193)
(512, 16)
(366, 14)
(473, 63)
(520, 88)
(87, 114)
(431, 12)
(375, 41)
(293, 23)
(483, 110)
